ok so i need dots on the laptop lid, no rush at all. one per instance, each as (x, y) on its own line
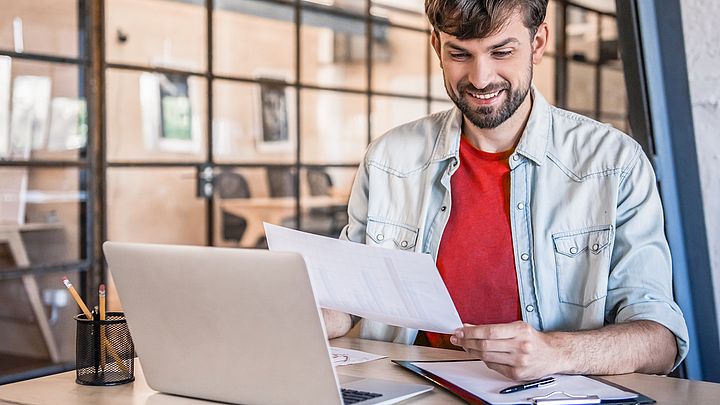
(233, 325)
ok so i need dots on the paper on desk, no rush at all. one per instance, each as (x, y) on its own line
(389, 286)
(476, 378)
(344, 357)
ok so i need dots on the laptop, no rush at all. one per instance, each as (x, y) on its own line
(233, 325)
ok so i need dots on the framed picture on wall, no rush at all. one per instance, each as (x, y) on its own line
(169, 123)
(68, 124)
(275, 116)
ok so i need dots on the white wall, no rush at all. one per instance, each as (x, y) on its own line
(702, 48)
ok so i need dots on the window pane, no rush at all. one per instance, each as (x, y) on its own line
(39, 26)
(45, 117)
(44, 205)
(334, 127)
(550, 19)
(23, 346)
(155, 117)
(544, 78)
(389, 112)
(609, 46)
(248, 197)
(437, 83)
(614, 98)
(582, 34)
(334, 50)
(437, 106)
(617, 122)
(156, 205)
(409, 13)
(325, 193)
(145, 33)
(581, 86)
(357, 7)
(399, 61)
(254, 122)
(254, 38)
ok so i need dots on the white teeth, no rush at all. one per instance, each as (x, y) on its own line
(485, 96)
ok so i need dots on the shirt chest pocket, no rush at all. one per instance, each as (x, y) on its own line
(391, 235)
(582, 260)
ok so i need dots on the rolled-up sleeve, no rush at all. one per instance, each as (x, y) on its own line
(640, 282)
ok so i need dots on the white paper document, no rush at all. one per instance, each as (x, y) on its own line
(476, 378)
(345, 357)
(389, 286)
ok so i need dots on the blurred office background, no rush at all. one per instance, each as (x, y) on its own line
(192, 122)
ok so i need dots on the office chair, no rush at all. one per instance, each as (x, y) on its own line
(232, 185)
(320, 184)
(281, 182)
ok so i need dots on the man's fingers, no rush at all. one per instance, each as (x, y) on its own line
(497, 331)
(486, 345)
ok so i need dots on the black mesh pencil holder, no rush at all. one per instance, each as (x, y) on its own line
(104, 351)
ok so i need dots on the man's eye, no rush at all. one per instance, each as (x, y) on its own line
(458, 55)
(502, 54)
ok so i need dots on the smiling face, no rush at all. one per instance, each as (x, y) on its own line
(489, 78)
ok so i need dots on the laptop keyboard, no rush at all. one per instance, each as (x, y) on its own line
(353, 396)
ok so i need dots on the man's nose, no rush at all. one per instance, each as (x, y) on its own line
(481, 74)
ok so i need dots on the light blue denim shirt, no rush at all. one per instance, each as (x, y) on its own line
(585, 214)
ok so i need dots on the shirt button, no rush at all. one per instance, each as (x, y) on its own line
(380, 236)
(573, 250)
(516, 157)
(525, 256)
(595, 247)
(404, 243)
(521, 206)
(529, 308)
(443, 208)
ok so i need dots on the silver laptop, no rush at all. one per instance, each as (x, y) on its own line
(233, 325)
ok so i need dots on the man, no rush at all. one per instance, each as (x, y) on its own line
(546, 226)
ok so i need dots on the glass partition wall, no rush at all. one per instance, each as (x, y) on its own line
(117, 125)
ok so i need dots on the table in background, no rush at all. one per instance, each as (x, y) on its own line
(61, 389)
(274, 211)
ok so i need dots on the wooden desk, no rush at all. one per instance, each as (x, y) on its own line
(61, 389)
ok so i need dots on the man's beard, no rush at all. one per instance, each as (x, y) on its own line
(491, 116)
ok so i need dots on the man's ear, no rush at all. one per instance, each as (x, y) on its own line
(540, 41)
(435, 41)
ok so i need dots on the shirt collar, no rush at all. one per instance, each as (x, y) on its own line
(533, 142)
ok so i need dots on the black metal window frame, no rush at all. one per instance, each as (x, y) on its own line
(562, 58)
(83, 164)
(92, 29)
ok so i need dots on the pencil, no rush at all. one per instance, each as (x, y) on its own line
(101, 302)
(77, 298)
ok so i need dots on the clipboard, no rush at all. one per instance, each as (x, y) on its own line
(554, 398)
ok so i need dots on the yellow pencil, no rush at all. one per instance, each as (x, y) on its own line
(101, 302)
(77, 299)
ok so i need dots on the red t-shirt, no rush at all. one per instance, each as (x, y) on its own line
(476, 259)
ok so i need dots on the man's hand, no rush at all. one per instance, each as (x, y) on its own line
(336, 323)
(515, 350)
(518, 351)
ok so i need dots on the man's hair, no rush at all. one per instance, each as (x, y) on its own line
(467, 19)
